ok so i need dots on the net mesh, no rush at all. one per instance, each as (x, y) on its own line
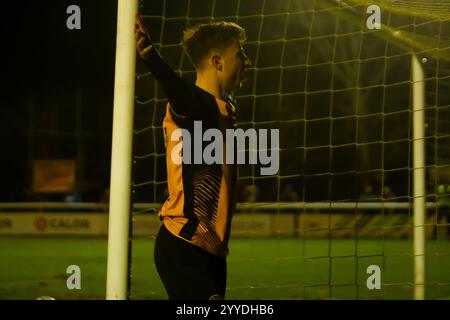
(341, 96)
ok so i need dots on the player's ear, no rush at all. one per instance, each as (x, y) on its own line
(217, 62)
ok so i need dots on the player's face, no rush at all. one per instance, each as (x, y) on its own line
(234, 67)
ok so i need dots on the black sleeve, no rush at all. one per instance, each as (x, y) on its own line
(177, 91)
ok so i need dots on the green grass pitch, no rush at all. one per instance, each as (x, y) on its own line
(257, 268)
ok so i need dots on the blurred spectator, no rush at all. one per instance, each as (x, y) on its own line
(250, 193)
(368, 194)
(443, 208)
(104, 199)
(73, 196)
(105, 196)
(163, 196)
(387, 193)
(288, 194)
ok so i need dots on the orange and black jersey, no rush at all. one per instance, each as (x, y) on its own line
(201, 196)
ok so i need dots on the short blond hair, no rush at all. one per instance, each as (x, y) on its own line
(199, 40)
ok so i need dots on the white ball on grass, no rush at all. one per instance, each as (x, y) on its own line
(45, 298)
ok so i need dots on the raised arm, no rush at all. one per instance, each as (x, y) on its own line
(178, 93)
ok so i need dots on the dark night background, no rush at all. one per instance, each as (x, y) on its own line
(339, 130)
(49, 67)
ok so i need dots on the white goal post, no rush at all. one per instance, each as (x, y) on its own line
(419, 193)
(121, 155)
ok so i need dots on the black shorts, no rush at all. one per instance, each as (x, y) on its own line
(187, 271)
